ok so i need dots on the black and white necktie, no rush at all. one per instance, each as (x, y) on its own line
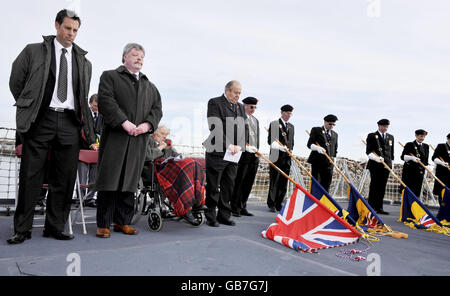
(62, 79)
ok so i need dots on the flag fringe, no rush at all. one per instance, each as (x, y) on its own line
(412, 223)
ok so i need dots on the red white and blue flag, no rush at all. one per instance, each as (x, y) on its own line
(305, 224)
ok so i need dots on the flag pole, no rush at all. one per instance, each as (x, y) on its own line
(332, 162)
(425, 167)
(447, 166)
(388, 168)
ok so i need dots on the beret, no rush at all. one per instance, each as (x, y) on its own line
(250, 101)
(287, 108)
(330, 118)
(383, 122)
(448, 136)
(421, 132)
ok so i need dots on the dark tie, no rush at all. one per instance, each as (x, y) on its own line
(95, 119)
(286, 126)
(328, 136)
(233, 106)
(62, 79)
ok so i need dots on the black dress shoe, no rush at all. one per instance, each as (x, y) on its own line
(190, 218)
(235, 214)
(244, 212)
(197, 208)
(212, 223)
(57, 235)
(19, 237)
(226, 222)
(272, 209)
(381, 212)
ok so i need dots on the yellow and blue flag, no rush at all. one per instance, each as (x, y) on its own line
(361, 211)
(444, 210)
(324, 197)
(415, 214)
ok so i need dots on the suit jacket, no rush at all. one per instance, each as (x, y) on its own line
(277, 130)
(442, 150)
(383, 148)
(414, 148)
(318, 136)
(227, 126)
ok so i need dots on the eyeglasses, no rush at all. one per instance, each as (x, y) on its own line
(252, 107)
(331, 123)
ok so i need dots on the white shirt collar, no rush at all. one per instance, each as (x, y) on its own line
(285, 122)
(59, 46)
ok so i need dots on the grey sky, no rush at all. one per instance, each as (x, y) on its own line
(319, 56)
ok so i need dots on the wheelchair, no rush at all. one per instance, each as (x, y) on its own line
(150, 200)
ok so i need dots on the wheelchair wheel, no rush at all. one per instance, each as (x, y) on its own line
(139, 202)
(200, 217)
(155, 220)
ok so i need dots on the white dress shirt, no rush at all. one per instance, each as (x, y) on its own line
(70, 102)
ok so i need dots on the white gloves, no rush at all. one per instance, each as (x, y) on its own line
(410, 158)
(376, 158)
(251, 149)
(319, 149)
(440, 162)
(277, 146)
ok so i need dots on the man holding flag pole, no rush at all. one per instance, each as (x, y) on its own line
(441, 157)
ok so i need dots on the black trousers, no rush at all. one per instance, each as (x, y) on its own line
(378, 180)
(278, 183)
(413, 179)
(323, 174)
(53, 140)
(243, 184)
(114, 207)
(220, 177)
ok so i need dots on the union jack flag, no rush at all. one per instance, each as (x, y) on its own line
(307, 225)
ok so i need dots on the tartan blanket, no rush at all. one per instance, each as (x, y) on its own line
(183, 182)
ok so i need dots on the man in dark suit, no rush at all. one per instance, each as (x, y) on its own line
(413, 172)
(226, 121)
(282, 131)
(441, 157)
(87, 172)
(50, 83)
(323, 139)
(248, 164)
(380, 147)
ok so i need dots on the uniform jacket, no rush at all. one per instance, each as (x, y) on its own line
(318, 136)
(384, 148)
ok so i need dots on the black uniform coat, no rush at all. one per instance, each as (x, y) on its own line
(384, 148)
(413, 172)
(442, 151)
(121, 156)
(318, 135)
(282, 135)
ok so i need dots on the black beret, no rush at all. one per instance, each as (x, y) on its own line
(330, 118)
(287, 108)
(250, 101)
(421, 132)
(448, 136)
(383, 122)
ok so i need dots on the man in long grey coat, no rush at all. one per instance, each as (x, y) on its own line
(131, 109)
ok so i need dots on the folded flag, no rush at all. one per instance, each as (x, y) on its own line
(416, 215)
(360, 210)
(324, 197)
(305, 224)
(443, 214)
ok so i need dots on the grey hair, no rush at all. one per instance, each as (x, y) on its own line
(231, 84)
(129, 47)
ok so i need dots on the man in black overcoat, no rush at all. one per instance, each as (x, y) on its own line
(131, 108)
(380, 147)
(441, 157)
(50, 83)
(283, 131)
(226, 121)
(323, 139)
(248, 164)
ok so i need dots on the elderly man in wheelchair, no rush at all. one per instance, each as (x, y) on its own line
(171, 187)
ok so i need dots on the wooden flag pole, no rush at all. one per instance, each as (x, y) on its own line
(425, 167)
(447, 166)
(388, 168)
(332, 162)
